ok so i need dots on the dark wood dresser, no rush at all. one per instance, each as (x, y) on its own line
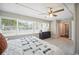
(44, 35)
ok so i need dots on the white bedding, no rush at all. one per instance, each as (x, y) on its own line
(31, 45)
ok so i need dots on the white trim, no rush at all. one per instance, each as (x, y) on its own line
(8, 17)
(17, 27)
(0, 26)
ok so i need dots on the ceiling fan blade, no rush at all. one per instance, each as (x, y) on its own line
(54, 15)
(58, 10)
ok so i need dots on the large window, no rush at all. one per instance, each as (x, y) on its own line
(17, 26)
(25, 27)
(44, 26)
(8, 26)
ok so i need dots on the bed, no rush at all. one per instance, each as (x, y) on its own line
(31, 45)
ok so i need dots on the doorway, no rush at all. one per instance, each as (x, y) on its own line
(64, 29)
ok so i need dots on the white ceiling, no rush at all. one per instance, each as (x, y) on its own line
(35, 9)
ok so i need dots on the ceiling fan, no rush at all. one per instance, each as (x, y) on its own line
(51, 13)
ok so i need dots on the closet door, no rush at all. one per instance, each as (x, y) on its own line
(61, 29)
(66, 30)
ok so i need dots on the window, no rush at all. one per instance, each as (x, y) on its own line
(44, 26)
(17, 26)
(36, 26)
(8, 26)
(25, 27)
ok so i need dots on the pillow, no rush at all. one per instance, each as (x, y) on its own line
(3, 44)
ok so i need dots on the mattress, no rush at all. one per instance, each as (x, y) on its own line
(31, 45)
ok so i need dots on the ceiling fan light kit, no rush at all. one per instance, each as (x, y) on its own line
(50, 15)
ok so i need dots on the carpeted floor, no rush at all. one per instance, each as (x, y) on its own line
(63, 43)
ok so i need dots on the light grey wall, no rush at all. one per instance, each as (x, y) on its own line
(77, 28)
(53, 29)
